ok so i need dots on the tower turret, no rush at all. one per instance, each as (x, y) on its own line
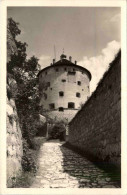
(64, 87)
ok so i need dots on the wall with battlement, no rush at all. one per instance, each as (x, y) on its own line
(96, 128)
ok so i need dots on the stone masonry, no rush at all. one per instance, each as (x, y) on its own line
(96, 129)
(60, 167)
(14, 136)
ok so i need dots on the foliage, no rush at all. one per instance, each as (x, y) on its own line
(25, 180)
(13, 26)
(25, 71)
(28, 162)
(58, 131)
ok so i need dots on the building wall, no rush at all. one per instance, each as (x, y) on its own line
(66, 116)
(50, 94)
(96, 129)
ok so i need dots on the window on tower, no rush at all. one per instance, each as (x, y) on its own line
(61, 109)
(45, 96)
(71, 105)
(79, 82)
(48, 84)
(63, 80)
(78, 94)
(57, 69)
(61, 93)
(71, 73)
(52, 106)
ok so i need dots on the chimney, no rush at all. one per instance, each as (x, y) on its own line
(70, 58)
(53, 61)
(75, 62)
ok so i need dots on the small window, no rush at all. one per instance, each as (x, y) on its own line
(77, 94)
(65, 69)
(57, 69)
(88, 87)
(63, 80)
(46, 73)
(45, 96)
(61, 109)
(79, 82)
(71, 73)
(52, 106)
(71, 105)
(73, 69)
(51, 88)
(61, 93)
(110, 86)
(82, 89)
(48, 84)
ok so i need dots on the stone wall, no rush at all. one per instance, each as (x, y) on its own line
(56, 115)
(96, 129)
(14, 136)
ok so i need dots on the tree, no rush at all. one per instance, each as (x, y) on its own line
(25, 71)
(13, 27)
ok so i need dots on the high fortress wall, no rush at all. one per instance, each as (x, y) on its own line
(96, 128)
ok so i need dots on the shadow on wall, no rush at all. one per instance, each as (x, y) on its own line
(89, 174)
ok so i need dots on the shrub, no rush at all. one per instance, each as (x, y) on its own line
(58, 131)
(28, 162)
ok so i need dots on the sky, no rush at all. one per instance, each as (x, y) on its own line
(91, 35)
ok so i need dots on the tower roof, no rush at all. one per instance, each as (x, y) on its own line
(63, 56)
(63, 61)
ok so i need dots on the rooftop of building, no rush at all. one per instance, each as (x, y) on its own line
(63, 61)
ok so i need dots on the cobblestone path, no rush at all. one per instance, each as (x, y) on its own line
(60, 167)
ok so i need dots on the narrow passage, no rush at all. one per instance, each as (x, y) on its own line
(60, 167)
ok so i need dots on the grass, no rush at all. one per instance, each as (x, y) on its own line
(26, 179)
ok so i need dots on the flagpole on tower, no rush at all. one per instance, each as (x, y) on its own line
(55, 52)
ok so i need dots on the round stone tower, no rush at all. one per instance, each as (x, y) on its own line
(64, 87)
